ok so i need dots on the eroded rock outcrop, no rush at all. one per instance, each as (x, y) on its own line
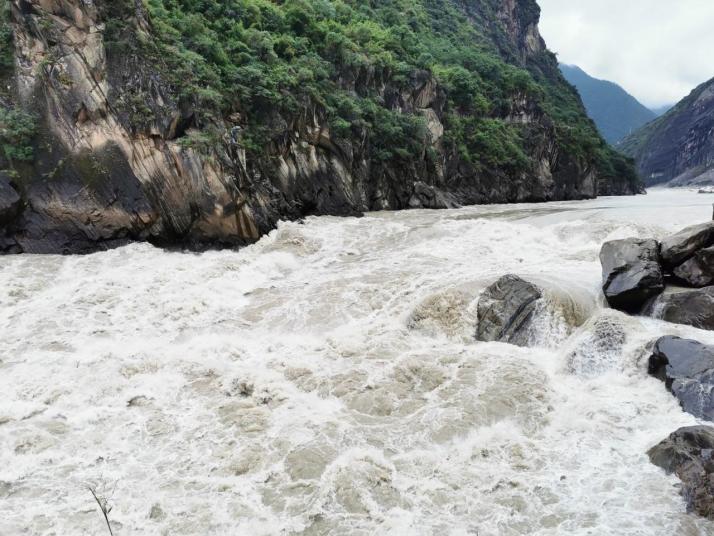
(688, 454)
(684, 306)
(687, 369)
(681, 246)
(505, 310)
(678, 147)
(698, 271)
(631, 273)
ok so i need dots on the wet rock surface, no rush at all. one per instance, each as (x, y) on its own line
(688, 454)
(681, 246)
(637, 274)
(684, 306)
(505, 310)
(698, 271)
(687, 368)
(631, 273)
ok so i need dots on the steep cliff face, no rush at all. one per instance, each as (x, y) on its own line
(102, 145)
(678, 148)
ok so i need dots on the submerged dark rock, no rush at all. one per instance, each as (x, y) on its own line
(631, 273)
(698, 271)
(688, 453)
(681, 246)
(687, 368)
(600, 345)
(505, 310)
(684, 306)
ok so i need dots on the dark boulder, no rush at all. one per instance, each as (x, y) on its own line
(684, 306)
(426, 196)
(631, 273)
(688, 454)
(687, 368)
(505, 310)
(10, 201)
(698, 271)
(679, 247)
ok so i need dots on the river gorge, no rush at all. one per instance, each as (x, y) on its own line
(326, 380)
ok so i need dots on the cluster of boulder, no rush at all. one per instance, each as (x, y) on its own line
(673, 280)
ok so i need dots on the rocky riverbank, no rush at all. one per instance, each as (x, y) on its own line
(670, 280)
(673, 280)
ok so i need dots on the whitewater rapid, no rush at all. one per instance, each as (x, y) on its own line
(326, 381)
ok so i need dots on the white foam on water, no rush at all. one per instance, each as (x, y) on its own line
(323, 381)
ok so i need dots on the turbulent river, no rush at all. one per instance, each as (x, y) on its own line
(326, 381)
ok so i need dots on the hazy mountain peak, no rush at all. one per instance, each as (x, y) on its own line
(615, 112)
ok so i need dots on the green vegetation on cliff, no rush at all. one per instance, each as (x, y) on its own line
(259, 57)
(17, 129)
(17, 126)
(6, 42)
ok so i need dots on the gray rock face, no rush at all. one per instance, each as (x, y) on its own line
(426, 196)
(690, 307)
(10, 201)
(699, 270)
(687, 368)
(631, 273)
(505, 310)
(678, 147)
(679, 247)
(688, 453)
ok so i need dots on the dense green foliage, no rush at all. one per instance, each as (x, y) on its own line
(6, 41)
(262, 58)
(17, 129)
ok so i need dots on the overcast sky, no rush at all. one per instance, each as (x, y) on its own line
(658, 50)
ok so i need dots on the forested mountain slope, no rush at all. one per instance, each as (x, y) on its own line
(615, 112)
(203, 122)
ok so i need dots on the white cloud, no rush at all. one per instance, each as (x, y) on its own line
(658, 50)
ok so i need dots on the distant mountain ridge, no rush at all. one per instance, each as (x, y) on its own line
(661, 110)
(677, 148)
(615, 112)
